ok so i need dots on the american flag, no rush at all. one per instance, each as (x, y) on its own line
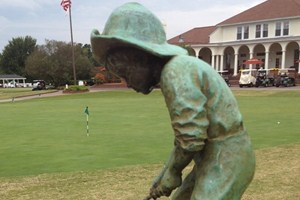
(66, 4)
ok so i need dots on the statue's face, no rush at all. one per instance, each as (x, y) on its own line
(140, 70)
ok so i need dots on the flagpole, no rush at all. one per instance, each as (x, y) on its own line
(87, 125)
(72, 43)
(86, 111)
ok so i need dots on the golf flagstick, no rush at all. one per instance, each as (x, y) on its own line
(86, 111)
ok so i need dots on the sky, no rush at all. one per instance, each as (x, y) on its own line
(45, 19)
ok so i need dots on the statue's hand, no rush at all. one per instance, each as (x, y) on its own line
(170, 177)
(165, 184)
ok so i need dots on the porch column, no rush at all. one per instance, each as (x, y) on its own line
(213, 61)
(236, 57)
(222, 63)
(283, 60)
(267, 60)
(251, 56)
(298, 63)
(218, 63)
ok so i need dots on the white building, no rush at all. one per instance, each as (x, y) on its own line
(269, 31)
(12, 80)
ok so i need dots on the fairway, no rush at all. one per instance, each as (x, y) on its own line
(48, 135)
(271, 117)
(45, 136)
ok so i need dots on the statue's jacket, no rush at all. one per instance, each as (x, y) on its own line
(206, 119)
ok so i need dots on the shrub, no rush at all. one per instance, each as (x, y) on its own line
(76, 88)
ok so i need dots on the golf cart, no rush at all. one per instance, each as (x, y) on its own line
(285, 78)
(38, 85)
(262, 79)
(224, 75)
(247, 78)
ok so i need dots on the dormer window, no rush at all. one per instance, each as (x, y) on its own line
(242, 32)
(282, 28)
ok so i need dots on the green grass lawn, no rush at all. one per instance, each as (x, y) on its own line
(262, 110)
(48, 135)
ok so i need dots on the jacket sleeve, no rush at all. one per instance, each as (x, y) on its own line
(181, 84)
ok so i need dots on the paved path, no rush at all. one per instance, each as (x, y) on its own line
(32, 97)
(60, 93)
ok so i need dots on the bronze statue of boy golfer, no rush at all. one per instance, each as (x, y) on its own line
(207, 123)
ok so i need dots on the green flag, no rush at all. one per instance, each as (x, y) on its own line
(86, 111)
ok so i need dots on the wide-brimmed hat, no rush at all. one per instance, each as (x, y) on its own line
(133, 25)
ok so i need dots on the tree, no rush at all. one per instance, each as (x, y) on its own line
(87, 51)
(15, 54)
(52, 62)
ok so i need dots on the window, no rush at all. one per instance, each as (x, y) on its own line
(278, 29)
(286, 28)
(246, 32)
(282, 28)
(261, 30)
(277, 63)
(265, 30)
(242, 32)
(258, 31)
(239, 33)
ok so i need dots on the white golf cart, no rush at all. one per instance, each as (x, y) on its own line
(247, 78)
